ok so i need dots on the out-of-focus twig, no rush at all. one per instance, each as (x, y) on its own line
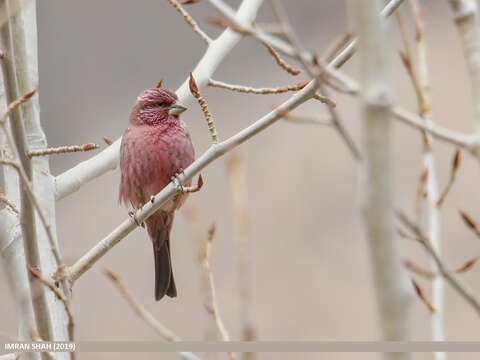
(282, 63)
(212, 308)
(189, 20)
(472, 224)
(145, 315)
(7, 202)
(238, 184)
(453, 174)
(421, 296)
(459, 287)
(58, 294)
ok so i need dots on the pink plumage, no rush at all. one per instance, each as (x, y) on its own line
(154, 148)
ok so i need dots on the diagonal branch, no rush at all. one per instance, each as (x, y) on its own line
(190, 21)
(71, 180)
(460, 288)
(214, 152)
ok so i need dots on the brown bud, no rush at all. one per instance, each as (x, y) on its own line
(193, 86)
(405, 59)
(468, 220)
(90, 146)
(211, 231)
(456, 160)
(111, 274)
(467, 266)
(159, 84)
(107, 140)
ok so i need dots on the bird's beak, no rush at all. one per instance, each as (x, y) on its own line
(176, 109)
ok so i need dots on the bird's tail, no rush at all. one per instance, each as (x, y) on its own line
(164, 281)
(159, 226)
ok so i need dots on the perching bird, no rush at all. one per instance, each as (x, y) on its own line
(155, 148)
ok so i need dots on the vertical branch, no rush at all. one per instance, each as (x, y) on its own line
(236, 175)
(11, 251)
(388, 272)
(466, 18)
(20, 66)
(434, 220)
(197, 233)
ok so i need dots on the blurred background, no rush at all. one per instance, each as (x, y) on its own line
(310, 265)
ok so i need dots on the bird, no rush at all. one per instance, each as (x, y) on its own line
(155, 148)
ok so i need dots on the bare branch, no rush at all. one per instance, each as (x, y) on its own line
(282, 63)
(71, 180)
(205, 110)
(470, 222)
(193, 24)
(145, 315)
(453, 174)
(460, 288)
(63, 150)
(261, 91)
(15, 104)
(213, 307)
(421, 295)
(71, 323)
(214, 152)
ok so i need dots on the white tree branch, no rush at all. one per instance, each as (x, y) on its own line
(11, 251)
(389, 275)
(214, 152)
(71, 180)
(19, 39)
(467, 20)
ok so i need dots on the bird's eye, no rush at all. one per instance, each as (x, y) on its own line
(162, 104)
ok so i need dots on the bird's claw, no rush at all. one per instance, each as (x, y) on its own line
(186, 189)
(176, 181)
(133, 216)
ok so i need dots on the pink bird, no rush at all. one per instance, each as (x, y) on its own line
(155, 148)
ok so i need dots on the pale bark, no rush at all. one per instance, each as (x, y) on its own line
(389, 276)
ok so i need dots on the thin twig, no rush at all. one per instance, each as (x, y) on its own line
(214, 152)
(326, 100)
(338, 43)
(27, 186)
(331, 74)
(282, 63)
(453, 174)
(15, 104)
(63, 149)
(260, 91)
(460, 288)
(420, 194)
(205, 110)
(421, 295)
(213, 307)
(470, 222)
(455, 138)
(236, 173)
(58, 294)
(145, 315)
(7, 202)
(419, 270)
(299, 119)
(190, 21)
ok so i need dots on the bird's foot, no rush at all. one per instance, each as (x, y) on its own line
(186, 189)
(132, 214)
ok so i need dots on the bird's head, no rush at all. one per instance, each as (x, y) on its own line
(155, 106)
